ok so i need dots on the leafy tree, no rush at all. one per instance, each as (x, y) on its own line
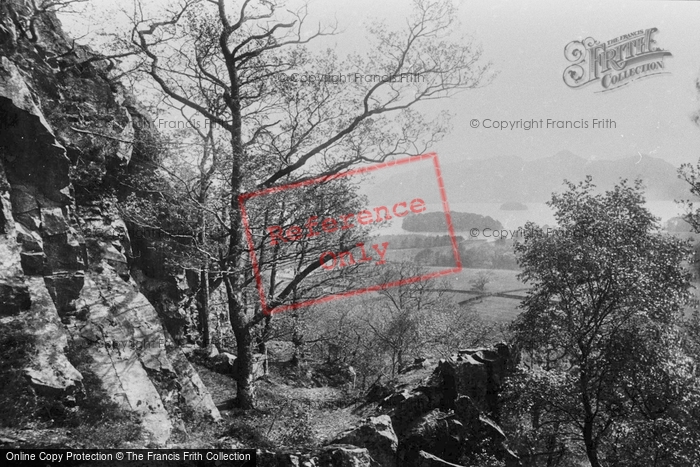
(481, 280)
(419, 318)
(232, 57)
(691, 174)
(602, 365)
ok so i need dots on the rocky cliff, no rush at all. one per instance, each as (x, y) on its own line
(68, 132)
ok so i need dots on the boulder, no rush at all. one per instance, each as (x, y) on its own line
(412, 407)
(377, 435)
(437, 432)
(454, 412)
(224, 362)
(378, 392)
(285, 459)
(396, 399)
(477, 373)
(345, 455)
(468, 413)
(466, 375)
(426, 459)
(417, 364)
(227, 364)
(337, 455)
(190, 386)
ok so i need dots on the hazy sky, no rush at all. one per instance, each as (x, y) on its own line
(525, 40)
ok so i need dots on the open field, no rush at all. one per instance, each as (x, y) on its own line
(492, 309)
(501, 309)
(497, 309)
(503, 279)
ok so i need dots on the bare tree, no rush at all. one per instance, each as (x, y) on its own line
(210, 54)
(419, 318)
(27, 25)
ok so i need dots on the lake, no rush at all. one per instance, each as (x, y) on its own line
(538, 213)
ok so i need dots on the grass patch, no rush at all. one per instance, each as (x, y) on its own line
(246, 428)
(497, 310)
(502, 280)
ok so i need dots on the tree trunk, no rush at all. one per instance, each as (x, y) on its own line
(245, 384)
(591, 448)
(589, 417)
(261, 340)
(204, 308)
(298, 341)
(241, 325)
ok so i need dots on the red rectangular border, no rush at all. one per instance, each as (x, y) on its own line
(243, 197)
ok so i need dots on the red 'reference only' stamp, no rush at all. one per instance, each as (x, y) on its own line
(311, 241)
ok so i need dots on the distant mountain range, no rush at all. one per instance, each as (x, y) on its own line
(511, 178)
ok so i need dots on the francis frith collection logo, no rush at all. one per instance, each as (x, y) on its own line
(614, 63)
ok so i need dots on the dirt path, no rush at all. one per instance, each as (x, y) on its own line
(286, 414)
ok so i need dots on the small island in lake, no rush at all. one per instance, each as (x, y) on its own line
(461, 221)
(513, 206)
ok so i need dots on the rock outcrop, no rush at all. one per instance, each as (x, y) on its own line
(448, 421)
(453, 417)
(335, 455)
(32, 225)
(377, 436)
(67, 132)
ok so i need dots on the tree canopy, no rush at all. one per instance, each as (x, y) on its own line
(602, 366)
